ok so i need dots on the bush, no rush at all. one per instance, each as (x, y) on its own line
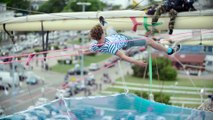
(56, 47)
(168, 73)
(91, 54)
(141, 94)
(138, 71)
(163, 66)
(37, 50)
(65, 62)
(158, 97)
(162, 98)
(61, 61)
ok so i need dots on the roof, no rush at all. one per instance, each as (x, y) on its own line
(184, 58)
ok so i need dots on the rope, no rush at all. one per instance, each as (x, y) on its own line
(150, 74)
(123, 79)
(23, 55)
(65, 104)
(146, 25)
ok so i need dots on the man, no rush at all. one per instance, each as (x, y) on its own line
(171, 6)
(114, 42)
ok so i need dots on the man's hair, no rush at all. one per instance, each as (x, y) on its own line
(96, 32)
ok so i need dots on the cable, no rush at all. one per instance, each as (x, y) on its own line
(133, 7)
(123, 79)
(23, 55)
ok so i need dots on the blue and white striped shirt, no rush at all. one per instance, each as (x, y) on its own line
(111, 45)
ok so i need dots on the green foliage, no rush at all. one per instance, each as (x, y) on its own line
(37, 50)
(21, 4)
(62, 61)
(56, 47)
(91, 54)
(141, 94)
(116, 7)
(162, 98)
(158, 97)
(95, 5)
(53, 6)
(168, 73)
(138, 71)
(163, 66)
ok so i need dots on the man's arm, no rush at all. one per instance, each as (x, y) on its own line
(85, 51)
(129, 59)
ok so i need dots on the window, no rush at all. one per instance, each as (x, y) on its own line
(210, 49)
(209, 63)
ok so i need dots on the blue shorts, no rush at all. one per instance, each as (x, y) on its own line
(136, 41)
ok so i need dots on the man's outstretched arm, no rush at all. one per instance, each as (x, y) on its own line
(129, 59)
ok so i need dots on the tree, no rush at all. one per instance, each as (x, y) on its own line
(161, 66)
(95, 6)
(169, 73)
(21, 4)
(162, 98)
(52, 6)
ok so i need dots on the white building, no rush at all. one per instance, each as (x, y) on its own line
(4, 13)
(209, 63)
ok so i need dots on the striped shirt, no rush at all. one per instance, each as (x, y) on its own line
(111, 45)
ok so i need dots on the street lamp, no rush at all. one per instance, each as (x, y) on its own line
(84, 4)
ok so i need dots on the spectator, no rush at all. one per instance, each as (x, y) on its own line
(172, 7)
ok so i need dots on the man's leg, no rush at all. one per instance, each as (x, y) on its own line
(109, 29)
(159, 47)
(149, 41)
(172, 15)
(160, 10)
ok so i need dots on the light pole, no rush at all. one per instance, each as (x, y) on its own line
(84, 4)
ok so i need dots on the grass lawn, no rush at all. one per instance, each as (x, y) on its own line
(75, 41)
(181, 82)
(169, 94)
(87, 60)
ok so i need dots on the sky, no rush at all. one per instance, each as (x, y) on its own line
(124, 3)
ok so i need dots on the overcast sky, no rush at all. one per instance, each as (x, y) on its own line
(123, 3)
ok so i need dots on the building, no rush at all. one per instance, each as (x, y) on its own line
(209, 58)
(189, 58)
(5, 15)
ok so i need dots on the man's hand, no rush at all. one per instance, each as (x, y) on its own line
(80, 52)
(141, 63)
(129, 59)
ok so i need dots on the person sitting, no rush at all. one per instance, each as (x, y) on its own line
(188, 5)
(172, 7)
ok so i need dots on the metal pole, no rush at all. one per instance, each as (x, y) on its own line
(84, 4)
(82, 60)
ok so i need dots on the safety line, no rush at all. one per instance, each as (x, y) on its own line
(81, 47)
